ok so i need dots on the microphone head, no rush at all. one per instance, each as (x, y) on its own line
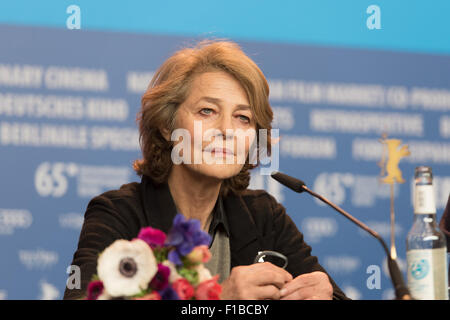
(288, 181)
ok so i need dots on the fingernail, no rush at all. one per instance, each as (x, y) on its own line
(283, 292)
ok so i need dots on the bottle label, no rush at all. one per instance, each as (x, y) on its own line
(424, 199)
(427, 274)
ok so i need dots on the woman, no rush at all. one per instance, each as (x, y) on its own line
(198, 124)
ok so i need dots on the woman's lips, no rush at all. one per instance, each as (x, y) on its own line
(220, 151)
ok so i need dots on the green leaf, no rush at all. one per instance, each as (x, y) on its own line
(188, 264)
(142, 293)
(191, 275)
(160, 254)
(95, 278)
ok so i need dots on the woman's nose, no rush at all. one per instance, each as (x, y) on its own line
(226, 126)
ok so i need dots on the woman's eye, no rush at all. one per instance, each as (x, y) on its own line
(206, 111)
(244, 118)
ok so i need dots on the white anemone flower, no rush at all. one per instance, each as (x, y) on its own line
(104, 296)
(126, 267)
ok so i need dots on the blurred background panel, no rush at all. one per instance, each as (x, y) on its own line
(341, 74)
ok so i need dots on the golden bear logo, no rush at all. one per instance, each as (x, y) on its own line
(395, 154)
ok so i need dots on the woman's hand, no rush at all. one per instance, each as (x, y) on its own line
(255, 282)
(309, 286)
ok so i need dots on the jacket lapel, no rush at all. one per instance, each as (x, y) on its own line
(158, 204)
(245, 241)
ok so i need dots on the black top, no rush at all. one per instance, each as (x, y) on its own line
(253, 219)
(219, 219)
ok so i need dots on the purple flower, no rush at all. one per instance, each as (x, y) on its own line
(184, 236)
(168, 294)
(161, 279)
(94, 290)
(153, 237)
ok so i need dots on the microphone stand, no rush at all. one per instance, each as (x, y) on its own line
(401, 291)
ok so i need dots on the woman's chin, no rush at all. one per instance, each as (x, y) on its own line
(218, 171)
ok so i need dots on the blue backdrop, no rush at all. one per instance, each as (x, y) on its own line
(68, 104)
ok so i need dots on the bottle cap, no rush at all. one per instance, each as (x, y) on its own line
(423, 175)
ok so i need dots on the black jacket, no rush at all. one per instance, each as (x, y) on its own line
(255, 219)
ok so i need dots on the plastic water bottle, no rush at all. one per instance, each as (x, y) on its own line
(426, 247)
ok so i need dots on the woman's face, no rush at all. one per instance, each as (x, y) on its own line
(220, 123)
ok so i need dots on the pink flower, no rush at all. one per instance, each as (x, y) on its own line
(150, 296)
(161, 279)
(209, 290)
(153, 237)
(94, 290)
(199, 254)
(183, 288)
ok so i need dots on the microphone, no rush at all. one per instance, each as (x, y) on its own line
(401, 291)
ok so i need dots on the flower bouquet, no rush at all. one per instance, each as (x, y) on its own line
(156, 266)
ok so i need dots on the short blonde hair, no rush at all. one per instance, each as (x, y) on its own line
(170, 87)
